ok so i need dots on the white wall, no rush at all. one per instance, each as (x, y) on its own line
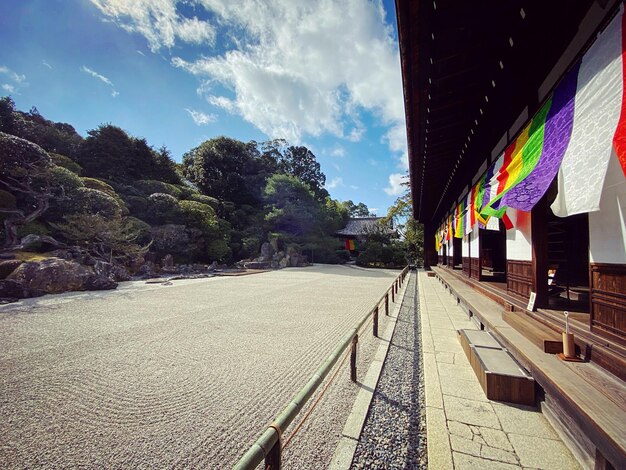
(518, 239)
(474, 242)
(466, 246)
(607, 227)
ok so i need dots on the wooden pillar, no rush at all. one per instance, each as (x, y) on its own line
(539, 239)
(430, 254)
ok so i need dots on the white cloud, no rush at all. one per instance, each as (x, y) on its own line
(46, 64)
(373, 210)
(352, 186)
(291, 68)
(158, 21)
(396, 187)
(299, 69)
(335, 183)
(102, 78)
(336, 151)
(140, 53)
(8, 88)
(16, 77)
(200, 118)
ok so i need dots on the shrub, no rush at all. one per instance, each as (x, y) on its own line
(196, 214)
(137, 205)
(65, 181)
(96, 202)
(35, 228)
(66, 162)
(218, 250)
(7, 199)
(162, 209)
(148, 187)
(211, 201)
(99, 185)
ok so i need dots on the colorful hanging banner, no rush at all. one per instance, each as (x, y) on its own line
(619, 139)
(518, 161)
(558, 130)
(597, 110)
(460, 212)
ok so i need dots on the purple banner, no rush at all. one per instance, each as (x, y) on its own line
(558, 130)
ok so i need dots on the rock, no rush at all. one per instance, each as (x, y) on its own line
(136, 263)
(7, 256)
(167, 261)
(283, 263)
(267, 250)
(111, 271)
(10, 289)
(98, 282)
(171, 269)
(147, 270)
(257, 265)
(52, 275)
(274, 265)
(303, 260)
(8, 266)
(293, 260)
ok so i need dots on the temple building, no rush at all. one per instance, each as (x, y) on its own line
(516, 128)
(359, 229)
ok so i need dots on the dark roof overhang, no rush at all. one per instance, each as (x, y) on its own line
(469, 70)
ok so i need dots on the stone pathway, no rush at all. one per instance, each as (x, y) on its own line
(394, 433)
(464, 428)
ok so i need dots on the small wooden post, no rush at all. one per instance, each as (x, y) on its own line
(393, 297)
(376, 321)
(355, 340)
(387, 304)
(273, 460)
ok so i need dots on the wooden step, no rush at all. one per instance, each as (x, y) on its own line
(469, 338)
(546, 339)
(501, 378)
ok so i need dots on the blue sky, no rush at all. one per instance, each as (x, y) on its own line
(322, 74)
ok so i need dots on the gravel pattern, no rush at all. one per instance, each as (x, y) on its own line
(176, 376)
(394, 435)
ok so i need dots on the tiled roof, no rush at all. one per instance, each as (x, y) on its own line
(363, 226)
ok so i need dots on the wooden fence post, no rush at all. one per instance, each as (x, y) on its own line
(355, 340)
(376, 321)
(387, 304)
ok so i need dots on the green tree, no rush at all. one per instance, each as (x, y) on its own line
(291, 206)
(27, 172)
(411, 233)
(227, 169)
(108, 238)
(297, 161)
(357, 210)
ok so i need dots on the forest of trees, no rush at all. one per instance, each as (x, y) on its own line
(121, 200)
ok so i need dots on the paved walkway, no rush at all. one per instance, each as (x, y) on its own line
(464, 428)
(178, 376)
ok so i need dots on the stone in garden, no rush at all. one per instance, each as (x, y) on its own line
(52, 275)
(266, 250)
(8, 266)
(167, 261)
(97, 282)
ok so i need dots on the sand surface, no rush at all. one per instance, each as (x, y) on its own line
(177, 376)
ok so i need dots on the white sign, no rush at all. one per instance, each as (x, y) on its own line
(531, 302)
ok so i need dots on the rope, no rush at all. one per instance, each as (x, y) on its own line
(317, 400)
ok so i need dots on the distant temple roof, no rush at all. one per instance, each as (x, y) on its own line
(364, 226)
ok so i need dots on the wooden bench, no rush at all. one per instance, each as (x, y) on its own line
(501, 378)
(546, 339)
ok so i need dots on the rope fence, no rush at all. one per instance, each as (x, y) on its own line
(269, 446)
